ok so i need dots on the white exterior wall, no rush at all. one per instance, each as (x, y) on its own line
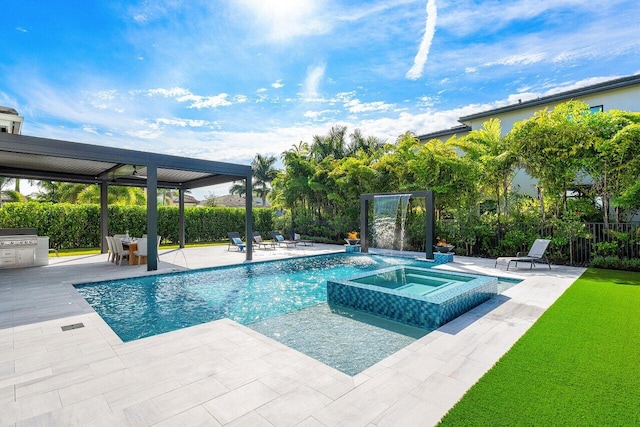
(11, 123)
(626, 98)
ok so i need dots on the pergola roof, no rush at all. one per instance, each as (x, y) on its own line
(55, 160)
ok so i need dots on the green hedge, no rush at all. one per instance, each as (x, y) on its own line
(78, 226)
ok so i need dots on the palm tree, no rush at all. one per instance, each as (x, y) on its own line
(333, 144)
(263, 174)
(4, 183)
(239, 188)
(488, 147)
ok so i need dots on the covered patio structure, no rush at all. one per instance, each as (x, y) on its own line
(30, 157)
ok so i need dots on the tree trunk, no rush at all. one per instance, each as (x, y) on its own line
(542, 213)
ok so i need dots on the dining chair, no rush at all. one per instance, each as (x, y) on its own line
(121, 253)
(111, 255)
(142, 249)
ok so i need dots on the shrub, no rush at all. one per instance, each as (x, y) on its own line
(78, 226)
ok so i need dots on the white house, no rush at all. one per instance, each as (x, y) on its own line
(10, 121)
(618, 94)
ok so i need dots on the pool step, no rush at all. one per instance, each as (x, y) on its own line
(428, 281)
(416, 289)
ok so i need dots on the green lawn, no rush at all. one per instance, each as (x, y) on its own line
(578, 365)
(95, 251)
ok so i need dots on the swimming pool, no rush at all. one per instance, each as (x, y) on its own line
(145, 306)
(285, 300)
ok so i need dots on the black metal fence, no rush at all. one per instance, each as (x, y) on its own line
(617, 239)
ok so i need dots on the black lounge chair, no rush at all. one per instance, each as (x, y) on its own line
(296, 238)
(236, 240)
(536, 254)
(262, 244)
(280, 240)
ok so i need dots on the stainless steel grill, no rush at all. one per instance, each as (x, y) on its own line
(19, 241)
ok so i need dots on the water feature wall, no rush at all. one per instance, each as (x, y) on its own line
(385, 220)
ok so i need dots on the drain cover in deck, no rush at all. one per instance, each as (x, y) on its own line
(74, 326)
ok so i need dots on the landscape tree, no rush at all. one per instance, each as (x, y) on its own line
(263, 174)
(550, 146)
(490, 150)
(239, 188)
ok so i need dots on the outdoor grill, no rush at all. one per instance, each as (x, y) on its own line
(15, 242)
(18, 246)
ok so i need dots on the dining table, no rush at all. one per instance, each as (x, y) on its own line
(132, 246)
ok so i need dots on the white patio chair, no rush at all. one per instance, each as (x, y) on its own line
(143, 246)
(111, 254)
(121, 253)
(142, 249)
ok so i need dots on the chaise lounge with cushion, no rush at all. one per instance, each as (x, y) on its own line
(262, 244)
(280, 240)
(235, 241)
(296, 238)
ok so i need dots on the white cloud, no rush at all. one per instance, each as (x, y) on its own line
(194, 101)
(184, 122)
(312, 81)
(22, 30)
(415, 72)
(355, 106)
(277, 84)
(319, 115)
(522, 59)
(426, 101)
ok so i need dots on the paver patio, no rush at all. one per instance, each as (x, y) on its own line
(223, 373)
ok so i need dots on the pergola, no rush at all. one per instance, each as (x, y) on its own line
(55, 160)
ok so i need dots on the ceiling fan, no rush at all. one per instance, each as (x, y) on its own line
(138, 173)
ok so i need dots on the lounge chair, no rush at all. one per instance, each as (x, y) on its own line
(280, 240)
(236, 241)
(536, 254)
(296, 238)
(262, 244)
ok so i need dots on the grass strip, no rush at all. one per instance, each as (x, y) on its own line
(579, 364)
(96, 251)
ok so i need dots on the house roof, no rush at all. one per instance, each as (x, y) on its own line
(559, 97)
(8, 110)
(447, 132)
(55, 160)
(234, 201)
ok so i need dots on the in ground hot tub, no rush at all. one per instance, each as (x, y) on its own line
(415, 296)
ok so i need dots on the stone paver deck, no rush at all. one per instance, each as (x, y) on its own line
(223, 373)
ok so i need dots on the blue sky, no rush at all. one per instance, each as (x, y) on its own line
(224, 80)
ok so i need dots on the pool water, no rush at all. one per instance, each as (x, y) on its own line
(411, 281)
(146, 306)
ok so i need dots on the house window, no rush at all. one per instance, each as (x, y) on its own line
(596, 109)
